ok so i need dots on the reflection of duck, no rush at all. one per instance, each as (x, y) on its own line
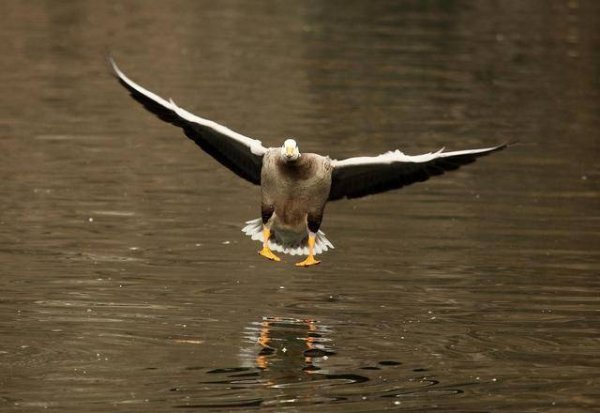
(288, 344)
(295, 186)
(285, 364)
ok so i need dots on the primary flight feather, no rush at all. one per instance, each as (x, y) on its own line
(296, 186)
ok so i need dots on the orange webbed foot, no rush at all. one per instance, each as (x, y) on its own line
(310, 260)
(267, 253)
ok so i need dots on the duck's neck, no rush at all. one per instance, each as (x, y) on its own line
(297, 168)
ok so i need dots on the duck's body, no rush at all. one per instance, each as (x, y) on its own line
(296, 191)
(294, 195)
(296, 187)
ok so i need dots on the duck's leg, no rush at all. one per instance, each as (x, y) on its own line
(267, 213)
(310, 260)
(266, 251)
(313, 222)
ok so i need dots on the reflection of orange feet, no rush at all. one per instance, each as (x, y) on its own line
(267, 253)
(310, 260)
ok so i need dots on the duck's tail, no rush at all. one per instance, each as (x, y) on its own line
(254, 229)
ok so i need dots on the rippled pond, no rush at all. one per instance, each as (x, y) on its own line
(127, 285)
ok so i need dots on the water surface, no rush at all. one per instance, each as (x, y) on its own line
(127, 284)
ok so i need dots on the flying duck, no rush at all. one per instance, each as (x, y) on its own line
(296, 186)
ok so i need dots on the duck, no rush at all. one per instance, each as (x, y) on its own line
(296, 186)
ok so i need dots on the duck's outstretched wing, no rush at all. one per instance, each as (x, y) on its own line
(239, 153)
(366, 175)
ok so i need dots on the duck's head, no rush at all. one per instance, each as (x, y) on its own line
(290, 151)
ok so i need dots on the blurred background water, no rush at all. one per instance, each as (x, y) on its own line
(127, 285)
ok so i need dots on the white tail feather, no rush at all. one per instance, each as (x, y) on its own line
(254, 229)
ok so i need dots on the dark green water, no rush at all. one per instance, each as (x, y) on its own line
(127, 285)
